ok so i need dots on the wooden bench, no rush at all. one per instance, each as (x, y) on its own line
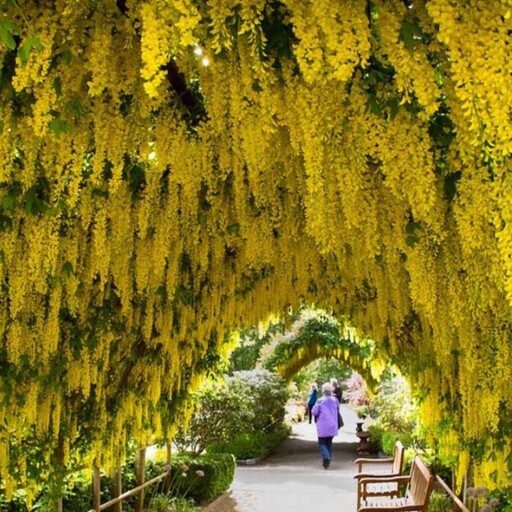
(415, 497)
(387, 467)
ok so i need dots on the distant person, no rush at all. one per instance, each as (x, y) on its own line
(336, 390)
(312, 397)
(325, 412)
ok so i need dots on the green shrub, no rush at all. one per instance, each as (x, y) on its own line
(440, 502)
(388, 438)
(219, 414)
(247, 401)
(252, 445)
(248, 445)
(504, 497)
(202, 478)
(267, 395)
(376, 433)
(167, 504)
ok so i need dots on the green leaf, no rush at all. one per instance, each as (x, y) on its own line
(9, 202)
(411, 240)
(6, 34)
(5, 223)
(67, 268)
(394, 106)
(410, 33)
(33, 205)
(373, 106)
(25, 49)
(412, 226)
(57, 85)
(233, 229)
(58, 126)
(97, 192)
(75, 107)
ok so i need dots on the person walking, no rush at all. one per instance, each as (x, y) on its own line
(326, 411)
(312, 397)
(336, 389)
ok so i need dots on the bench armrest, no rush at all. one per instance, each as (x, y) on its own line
(392, 479)
(381, 476)
(373, 461)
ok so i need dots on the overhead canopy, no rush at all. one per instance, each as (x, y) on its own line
(317, 335)
(171, 170)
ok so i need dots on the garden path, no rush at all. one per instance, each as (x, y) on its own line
(293, 479)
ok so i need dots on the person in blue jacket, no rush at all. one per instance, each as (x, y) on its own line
(325, 412)
(312, 397)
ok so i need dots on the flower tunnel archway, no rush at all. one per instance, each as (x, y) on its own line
(315, 335)
(152, 200)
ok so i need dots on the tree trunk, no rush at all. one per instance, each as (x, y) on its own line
(140, 464)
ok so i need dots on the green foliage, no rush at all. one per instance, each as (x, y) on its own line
(393, 415)
(7, 31)
(313, 335)
(194, 479)
(388, 439)
(504, 497)
(251, 445)
(167, 504)
(393, 408)
(220, 413)
(246, 355)
(202, 478)
(267, 395)
(440, 502)
(30, 44)
(320, 371)
(377, 433)
(411, 33)
(246, 402)
(247, 445)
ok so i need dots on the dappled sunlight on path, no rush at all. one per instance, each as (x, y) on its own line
(294, 479)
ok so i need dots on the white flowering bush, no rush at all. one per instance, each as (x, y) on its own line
(246, 402)
(267, 394)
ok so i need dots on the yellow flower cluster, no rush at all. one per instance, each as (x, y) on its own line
(414, 75)
(333, 38)
(154, 48)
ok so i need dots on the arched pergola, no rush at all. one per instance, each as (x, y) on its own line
(317, 335)
(170, 171)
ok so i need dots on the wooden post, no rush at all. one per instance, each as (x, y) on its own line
(115, 478)
(96, 489)
(167, 483)
(140, 465)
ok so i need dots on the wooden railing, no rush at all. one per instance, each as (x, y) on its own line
(97, 507)
(452, 495)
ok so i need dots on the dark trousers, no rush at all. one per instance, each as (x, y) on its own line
(310, 416)
(325, 446)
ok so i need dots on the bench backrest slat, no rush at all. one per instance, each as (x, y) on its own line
(398, 458)
(420, 485)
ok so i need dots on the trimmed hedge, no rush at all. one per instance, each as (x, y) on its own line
(252, 445)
